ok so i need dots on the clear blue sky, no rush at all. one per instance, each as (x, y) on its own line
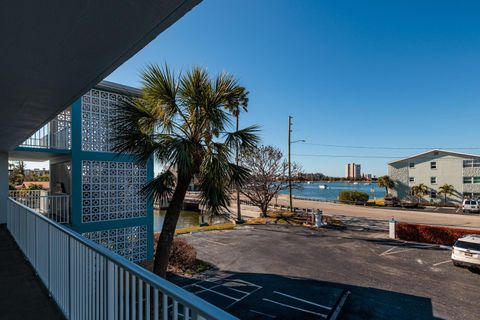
(359, 73)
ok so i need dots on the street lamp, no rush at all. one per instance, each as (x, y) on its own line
(290, 160)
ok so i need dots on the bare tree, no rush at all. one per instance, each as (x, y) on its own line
(268, 175)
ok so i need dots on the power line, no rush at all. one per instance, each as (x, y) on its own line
(388, 148)
(345, 156)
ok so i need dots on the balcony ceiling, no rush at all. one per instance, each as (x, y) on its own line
(52, 52)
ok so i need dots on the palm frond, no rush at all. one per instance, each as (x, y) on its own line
(133, 129)
(161, 188)
(246, 139)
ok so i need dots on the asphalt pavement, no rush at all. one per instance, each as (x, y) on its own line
(288, 272)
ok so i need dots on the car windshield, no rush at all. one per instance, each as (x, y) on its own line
(467, 202)
(467, 245)
(473, 203)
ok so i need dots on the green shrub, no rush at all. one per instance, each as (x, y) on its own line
(355, 197)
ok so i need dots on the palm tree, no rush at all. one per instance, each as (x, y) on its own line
(385, 182)
(419, 191)
(183, 122)
(237, 104)
(446, 189)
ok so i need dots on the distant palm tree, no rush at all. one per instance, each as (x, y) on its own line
(238, 103)
(183, 122)
(419, 191)
(446, 190)
(385, 182)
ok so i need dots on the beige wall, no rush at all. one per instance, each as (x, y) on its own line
(449, 171)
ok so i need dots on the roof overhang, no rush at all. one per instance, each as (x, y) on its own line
(55, 51)
(444, 152)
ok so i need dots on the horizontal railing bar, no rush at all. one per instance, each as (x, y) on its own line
(202, 307)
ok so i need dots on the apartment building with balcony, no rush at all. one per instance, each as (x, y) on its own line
(93, 190)
(55, 107)
(435, 168)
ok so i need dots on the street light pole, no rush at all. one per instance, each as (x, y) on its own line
(290, 162)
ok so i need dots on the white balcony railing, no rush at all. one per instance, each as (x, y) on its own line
(87, 281)
(57, 134)
(55, 207)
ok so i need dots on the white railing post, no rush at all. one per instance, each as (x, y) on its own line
(110, 269)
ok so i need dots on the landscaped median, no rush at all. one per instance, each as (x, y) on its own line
(430, 234)
(223, 226)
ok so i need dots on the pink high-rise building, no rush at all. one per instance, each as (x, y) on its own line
(353, 170)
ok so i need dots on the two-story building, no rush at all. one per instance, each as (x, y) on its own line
(435, 168)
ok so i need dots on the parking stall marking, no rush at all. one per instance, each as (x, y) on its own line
(212, 241)
(306, 301)
(443, 262)
(223, 285)
(296, 308)
(263, 314)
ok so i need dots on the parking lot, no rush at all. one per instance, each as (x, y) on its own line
(286, 272)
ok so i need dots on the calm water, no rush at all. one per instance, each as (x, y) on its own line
(187, 219)
(313, 190)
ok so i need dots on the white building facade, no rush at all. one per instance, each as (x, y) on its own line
(434, 169)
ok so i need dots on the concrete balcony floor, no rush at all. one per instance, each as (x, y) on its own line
(22, 295)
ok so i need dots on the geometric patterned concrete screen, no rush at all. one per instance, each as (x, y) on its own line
(111, 190)
(130, 242)
(98, 110)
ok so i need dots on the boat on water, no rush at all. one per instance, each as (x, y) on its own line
(355, 182)
(323, 186)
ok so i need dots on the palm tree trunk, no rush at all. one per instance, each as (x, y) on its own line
(239, 209)
(164, 243)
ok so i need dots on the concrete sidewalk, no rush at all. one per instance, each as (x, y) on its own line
(370, 215)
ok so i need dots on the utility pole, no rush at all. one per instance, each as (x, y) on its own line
(290, 161)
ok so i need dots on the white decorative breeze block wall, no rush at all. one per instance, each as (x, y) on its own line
(111, 190)
(99, 108)
(130, 242)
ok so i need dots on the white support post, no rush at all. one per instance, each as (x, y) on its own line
(3, 186)
(391, 229)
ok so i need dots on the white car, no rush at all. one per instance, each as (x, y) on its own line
(470, 206)
(466, 251)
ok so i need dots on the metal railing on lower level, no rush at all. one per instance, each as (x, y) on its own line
(87, 281)
(55, 207)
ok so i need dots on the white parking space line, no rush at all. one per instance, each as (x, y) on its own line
(296, 308)
(210, 290)
(212, 241)
(456, 211)
(387, 251)
(263, 314)
(306, 301)
(394, 252)
(226, 280)
(443, 262)
(436, 209)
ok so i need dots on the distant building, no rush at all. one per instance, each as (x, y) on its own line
(434, 169)
(352, 171)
